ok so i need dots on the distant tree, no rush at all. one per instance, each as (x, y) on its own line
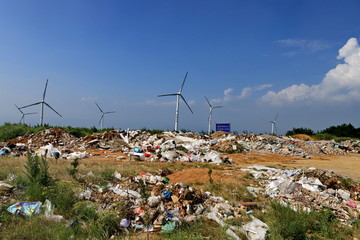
(343, 130)
(294, 131)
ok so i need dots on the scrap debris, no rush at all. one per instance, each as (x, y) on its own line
(310, 189)
(170, 146)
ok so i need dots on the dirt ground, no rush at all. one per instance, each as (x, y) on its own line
(346, 165)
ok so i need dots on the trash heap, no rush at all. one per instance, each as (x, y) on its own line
(56, 136)
(151, 203)
(171, 146)
(285, 145)
(310, 189)
(107, 140)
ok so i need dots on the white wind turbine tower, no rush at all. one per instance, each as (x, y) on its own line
(210, 114)
(101, 122)
(273, 125)
(22, 119)
(178, 95)
(42, 103)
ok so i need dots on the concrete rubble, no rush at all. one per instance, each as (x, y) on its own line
(310, 190)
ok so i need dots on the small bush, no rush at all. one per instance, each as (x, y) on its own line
(285, 223)
(107, 175)
(324, 136)
(37, 170)
(62, 196)
(86, 211)
(152, 131)
(106, 225)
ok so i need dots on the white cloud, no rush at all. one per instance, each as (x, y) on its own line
(262, 87)
(244, 93)
(340, 84)
(89, 99)
(307, 45)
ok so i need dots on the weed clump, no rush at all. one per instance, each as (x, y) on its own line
(286, 223)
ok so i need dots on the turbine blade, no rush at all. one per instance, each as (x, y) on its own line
(22, 118)
(30, 105)
(170, 94)
(186, 103)
(30, 113)
(102, 116)
(19, 109)
(277, 114)
(218, 107)
(109, 112)
(208, 101)
(45, 89)
(52, 109)
(99, 108)
(182, 85)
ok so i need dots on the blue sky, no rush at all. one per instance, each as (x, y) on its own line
(300, 59)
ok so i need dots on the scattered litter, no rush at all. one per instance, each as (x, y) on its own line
(27, 209)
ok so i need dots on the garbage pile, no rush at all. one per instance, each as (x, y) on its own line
(310, 189)
(287, 146)
(170, 146)
(151, 203)
(55, 136)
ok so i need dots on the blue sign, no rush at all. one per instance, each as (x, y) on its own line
(225, 127)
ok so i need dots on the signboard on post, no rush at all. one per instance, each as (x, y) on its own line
(225, 127)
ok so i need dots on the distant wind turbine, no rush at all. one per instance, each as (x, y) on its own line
(101, 122)
(210, 114)
(42, 103)
(22, 119)
(273, 125)
(178, 95)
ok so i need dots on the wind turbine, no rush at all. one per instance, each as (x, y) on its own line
(22, 119)
(273, 125)
(101, 122)
(210, 114)
(178, 95)
(42, 103)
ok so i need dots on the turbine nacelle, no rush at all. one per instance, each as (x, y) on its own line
(178, 96)
(210, 113)
(101, 121)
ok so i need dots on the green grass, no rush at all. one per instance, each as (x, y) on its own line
(285, 223)
(230, 191)
(198, 230)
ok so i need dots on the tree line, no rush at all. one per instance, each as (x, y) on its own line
(343, 130)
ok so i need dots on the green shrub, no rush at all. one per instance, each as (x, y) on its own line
(152, 131)
(285, 223)
(107, 175)
(37, 170)
(86, 211)
(73, 170)
(62, 196)
(106, 225)
(324, 136)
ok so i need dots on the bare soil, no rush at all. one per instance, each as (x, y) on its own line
(346, 165)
